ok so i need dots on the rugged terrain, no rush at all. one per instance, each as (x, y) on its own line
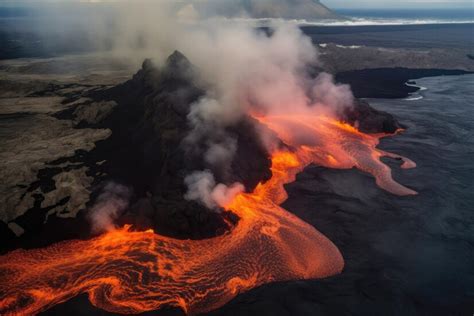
(65, 141)
(63, 136)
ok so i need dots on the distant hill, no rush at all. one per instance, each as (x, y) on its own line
(287, 9)
(290, 9)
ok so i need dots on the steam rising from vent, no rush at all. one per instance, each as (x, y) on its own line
(208, 138)
(203, 188)
(109, 206)
(326, 93)
(244, 70)
(247, 71)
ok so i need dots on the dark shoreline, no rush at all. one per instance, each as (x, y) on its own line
(389, 83)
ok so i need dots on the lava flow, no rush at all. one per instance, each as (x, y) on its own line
(131, 272)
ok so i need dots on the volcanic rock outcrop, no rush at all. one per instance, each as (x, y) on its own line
(148, 116)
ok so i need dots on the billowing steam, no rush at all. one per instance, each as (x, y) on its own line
(203, 188)
(207, 137)
(249, 71)
(108, 207)
(245, 70)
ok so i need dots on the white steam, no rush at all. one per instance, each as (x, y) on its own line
(326, 93)
(251, 72)
(203, 188)
(244, 71)
(109, 206)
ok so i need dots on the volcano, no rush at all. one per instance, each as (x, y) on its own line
(176, 252)
(146, 149)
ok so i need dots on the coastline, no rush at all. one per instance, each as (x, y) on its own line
(390, 83)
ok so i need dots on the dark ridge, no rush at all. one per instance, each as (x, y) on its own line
(389, 83)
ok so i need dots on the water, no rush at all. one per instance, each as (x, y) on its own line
(433, 248)
(438, 253)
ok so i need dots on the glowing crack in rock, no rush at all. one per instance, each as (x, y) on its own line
(124, 271)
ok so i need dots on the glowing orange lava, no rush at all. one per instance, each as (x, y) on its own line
(132, 272)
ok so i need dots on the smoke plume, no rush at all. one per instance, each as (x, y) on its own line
(249, 71)
(203, 188)
(244, 69)
(109, 206)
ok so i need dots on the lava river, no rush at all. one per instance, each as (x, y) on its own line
(124, 271)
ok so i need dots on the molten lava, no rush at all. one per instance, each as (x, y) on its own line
(131, 272)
